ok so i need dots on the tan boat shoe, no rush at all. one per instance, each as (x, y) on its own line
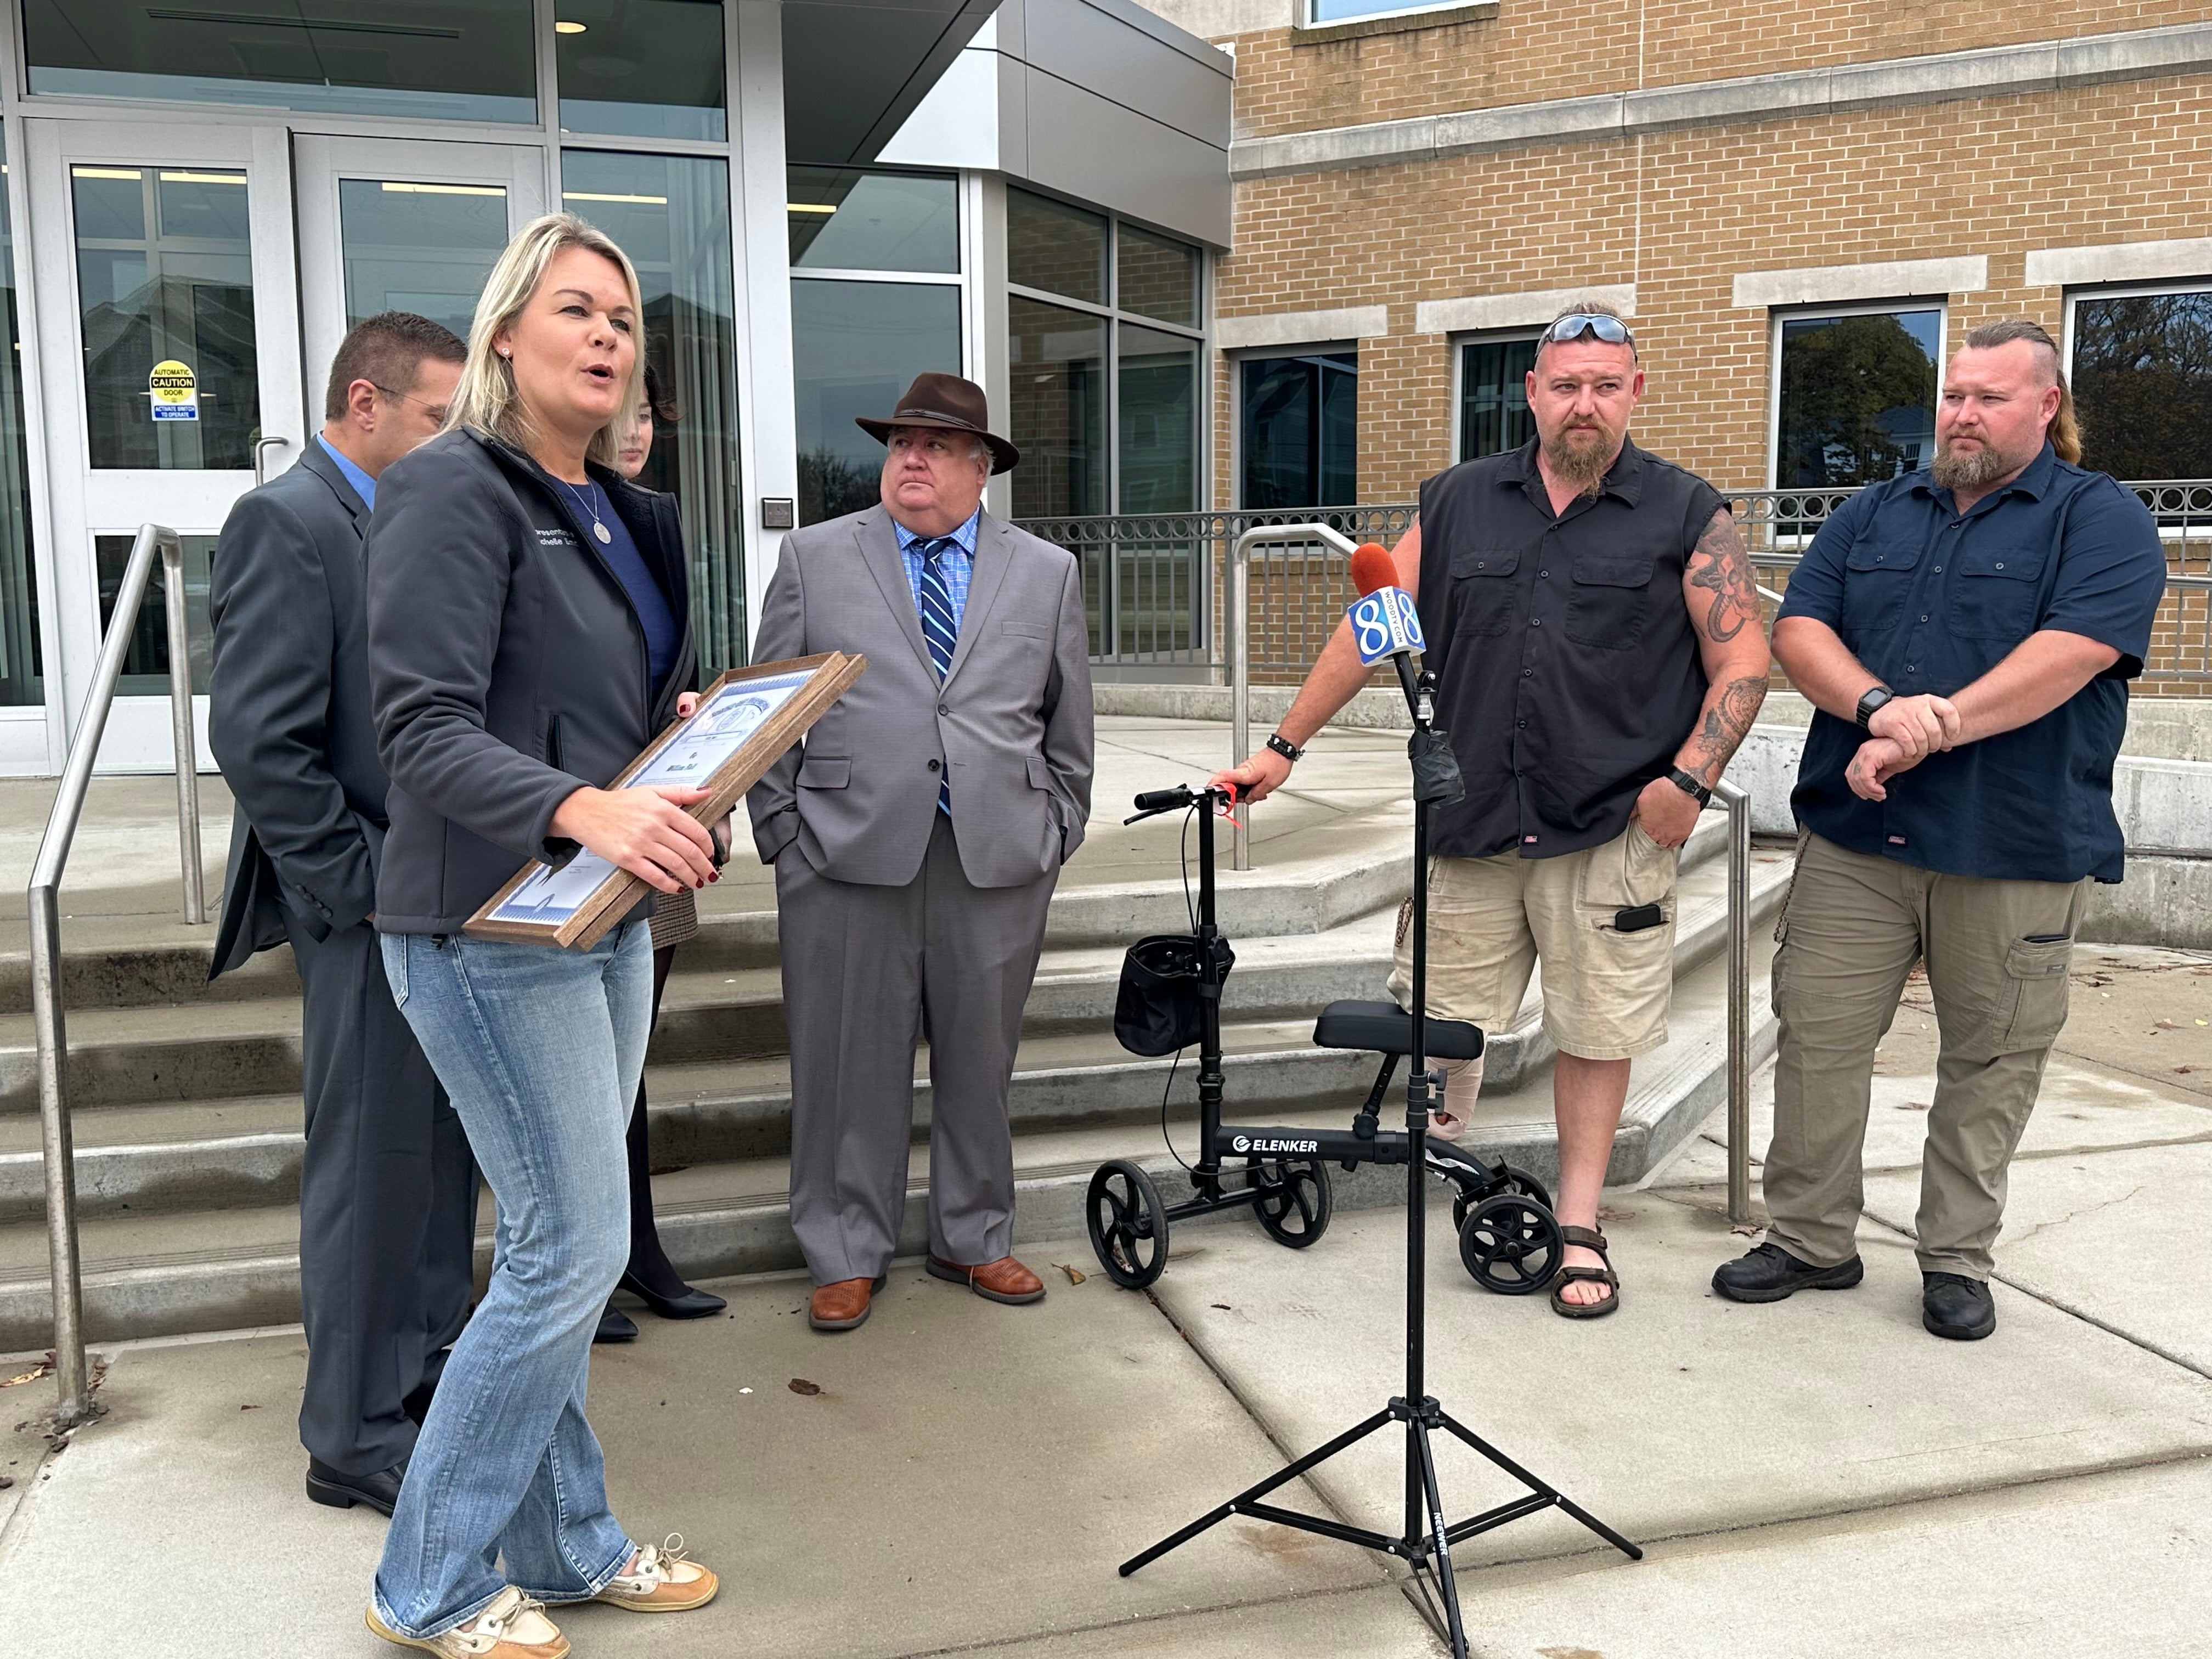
(659, 1580)
(514, 1626)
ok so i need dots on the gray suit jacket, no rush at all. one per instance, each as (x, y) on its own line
(1012, 720)
(289, 709)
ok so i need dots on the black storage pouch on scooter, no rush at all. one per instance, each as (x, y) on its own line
(1156, 1011)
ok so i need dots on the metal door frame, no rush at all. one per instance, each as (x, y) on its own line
(85, 502)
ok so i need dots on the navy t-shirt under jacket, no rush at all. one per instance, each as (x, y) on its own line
(1930, 601)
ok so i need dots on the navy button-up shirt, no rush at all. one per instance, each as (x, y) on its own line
(1931, 601)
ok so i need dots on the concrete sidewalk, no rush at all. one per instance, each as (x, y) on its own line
(1819, 1478)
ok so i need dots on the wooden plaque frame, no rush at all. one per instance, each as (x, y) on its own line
(830, 674)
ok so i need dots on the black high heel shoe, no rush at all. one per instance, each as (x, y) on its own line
(691, 1304)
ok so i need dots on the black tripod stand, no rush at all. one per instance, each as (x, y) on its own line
(1427, 1538)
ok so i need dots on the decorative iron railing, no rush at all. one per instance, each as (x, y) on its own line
(1153, 585)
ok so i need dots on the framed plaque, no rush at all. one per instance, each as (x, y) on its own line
(744, 722)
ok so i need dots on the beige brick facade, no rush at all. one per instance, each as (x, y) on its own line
(1681, 213)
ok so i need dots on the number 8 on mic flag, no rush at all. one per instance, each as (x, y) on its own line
(1385, 624)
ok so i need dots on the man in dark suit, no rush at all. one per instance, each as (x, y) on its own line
(387, 1187)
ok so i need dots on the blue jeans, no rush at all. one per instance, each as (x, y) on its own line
(540, 1049)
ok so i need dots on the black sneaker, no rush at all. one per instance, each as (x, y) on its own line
(1771, 1273)
(1954, 1306)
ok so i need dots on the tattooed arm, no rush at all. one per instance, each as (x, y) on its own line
(1724, 600)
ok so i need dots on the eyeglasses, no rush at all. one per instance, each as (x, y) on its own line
(1576, 323)
(435, 411)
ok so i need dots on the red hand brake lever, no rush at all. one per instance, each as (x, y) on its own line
(1226, 812)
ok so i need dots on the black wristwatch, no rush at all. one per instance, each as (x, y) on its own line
(1870, 700)
(1689, 786)
(1283, 746)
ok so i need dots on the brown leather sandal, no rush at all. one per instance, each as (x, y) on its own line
(1588, 1240)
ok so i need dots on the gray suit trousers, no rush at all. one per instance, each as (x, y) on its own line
(869, 972)
(387, 1207)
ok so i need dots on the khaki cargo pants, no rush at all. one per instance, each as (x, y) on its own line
(1997, 954)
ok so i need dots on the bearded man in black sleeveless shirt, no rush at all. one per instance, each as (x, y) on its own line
(1594, 625)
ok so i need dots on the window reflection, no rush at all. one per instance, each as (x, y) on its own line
(855, 347)
(842, 219)
(1156, 277)
(146, 659)
(1056, 248)
(21, 671)
(1057, 373)
(2142, 383)
(671, 215)
(1159, 421)
(164, 277)
(648, 67)
(459, 59)
(1300, 433)
(1494, 396)
(421, 247)
(1857, 401)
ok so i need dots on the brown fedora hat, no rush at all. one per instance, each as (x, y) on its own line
(955, 404)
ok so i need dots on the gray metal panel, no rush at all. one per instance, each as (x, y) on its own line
(1110, 50)
(1098, 150)
(855, 69)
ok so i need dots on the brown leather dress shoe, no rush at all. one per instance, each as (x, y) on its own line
(843, 1305)
(1004, 1281)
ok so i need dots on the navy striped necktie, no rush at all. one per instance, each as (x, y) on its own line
(940, 628)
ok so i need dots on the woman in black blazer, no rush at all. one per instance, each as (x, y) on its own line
(527, 637)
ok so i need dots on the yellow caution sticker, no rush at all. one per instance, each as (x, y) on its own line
(174, 392)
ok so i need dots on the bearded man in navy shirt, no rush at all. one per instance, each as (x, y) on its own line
(1966, 633)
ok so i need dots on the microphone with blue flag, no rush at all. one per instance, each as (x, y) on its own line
(1386, 624)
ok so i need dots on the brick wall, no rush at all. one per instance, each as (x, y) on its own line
(1538, 48)
(1680, 214)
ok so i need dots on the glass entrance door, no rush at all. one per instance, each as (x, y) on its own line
(169, 337)
(389, 225)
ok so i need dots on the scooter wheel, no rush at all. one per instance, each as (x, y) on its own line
(1510, 1245)
(1521, 1184)
(1128, 1225)
(1295, 1200)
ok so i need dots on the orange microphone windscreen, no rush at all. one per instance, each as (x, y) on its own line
(1373, 567)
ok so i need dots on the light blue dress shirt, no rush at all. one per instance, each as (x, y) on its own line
(363, 486)
(958, 573)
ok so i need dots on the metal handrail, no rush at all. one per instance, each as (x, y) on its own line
(77, 1405)
(1737, 802)
(1239, 629)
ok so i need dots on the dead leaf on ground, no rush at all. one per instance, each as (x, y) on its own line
(1075, 1275)
(2167, 1025)
(2184, 1071)
(800, 1385)
(1747, 1230)
(1607, 1212)
(1916, 1105)
(42, 1369)
(249, 1409)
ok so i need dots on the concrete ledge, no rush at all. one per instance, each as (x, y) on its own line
(1532, 308)
(1987, 72)
(1887, 279)
(2119, 262)
(1302, 328)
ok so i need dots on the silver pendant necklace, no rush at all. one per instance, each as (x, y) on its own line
(599, 527)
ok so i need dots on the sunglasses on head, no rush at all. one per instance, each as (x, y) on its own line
(1576, 323)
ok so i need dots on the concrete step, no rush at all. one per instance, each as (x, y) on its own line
(223, 1269)
(232, 1046)
(244, 1149)
(142, 961)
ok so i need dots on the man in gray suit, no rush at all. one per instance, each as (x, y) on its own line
(916, 842)
(387, 1187)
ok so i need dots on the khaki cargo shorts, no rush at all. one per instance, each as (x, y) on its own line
(1606, 992)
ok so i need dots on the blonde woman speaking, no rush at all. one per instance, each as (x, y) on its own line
(526, 637)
